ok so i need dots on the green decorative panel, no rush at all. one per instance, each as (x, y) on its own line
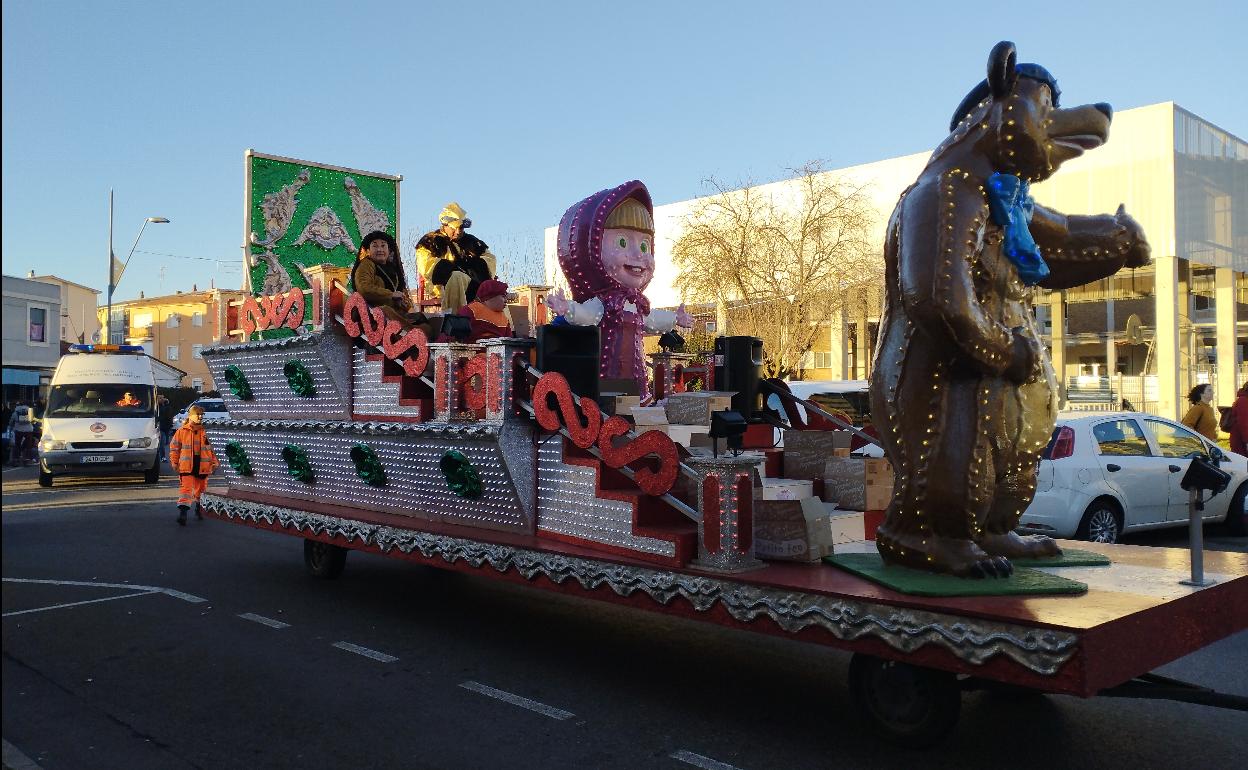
(301, 214)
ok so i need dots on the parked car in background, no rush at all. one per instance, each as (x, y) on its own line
(214, 409)
(1106, 473)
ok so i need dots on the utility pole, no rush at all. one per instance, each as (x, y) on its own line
(108, 318)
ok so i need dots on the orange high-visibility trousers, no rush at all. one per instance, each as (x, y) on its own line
(190, 488)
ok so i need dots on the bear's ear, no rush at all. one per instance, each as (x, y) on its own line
(1001, 72)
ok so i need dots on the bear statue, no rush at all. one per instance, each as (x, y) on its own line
(962, 392)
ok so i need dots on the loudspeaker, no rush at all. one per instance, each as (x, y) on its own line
(738, 368)
(573, 351)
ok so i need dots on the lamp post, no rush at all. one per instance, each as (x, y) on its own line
(113, 278)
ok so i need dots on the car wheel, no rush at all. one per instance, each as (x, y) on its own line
(1236, 519)
(45, 478)
(1102, 523)
(324, 560)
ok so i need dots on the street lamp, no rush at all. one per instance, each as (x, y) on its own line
(114, 277)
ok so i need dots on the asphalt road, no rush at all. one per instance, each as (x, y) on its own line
(223, 653)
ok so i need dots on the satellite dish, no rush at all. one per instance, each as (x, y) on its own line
(1135, 330)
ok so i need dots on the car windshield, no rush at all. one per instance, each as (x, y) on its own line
(213, 406)
(102, 400)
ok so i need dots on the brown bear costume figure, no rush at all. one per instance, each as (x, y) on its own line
(962, 391)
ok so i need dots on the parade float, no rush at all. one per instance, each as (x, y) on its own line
(523, 459)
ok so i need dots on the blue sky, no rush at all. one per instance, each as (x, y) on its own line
(515, 110)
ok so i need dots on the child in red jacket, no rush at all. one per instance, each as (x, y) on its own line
(191, 455)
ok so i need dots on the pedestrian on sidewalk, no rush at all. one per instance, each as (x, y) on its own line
(191, 455)
(1239, 422)
(164, 420)
(23, 426)
(1201, 417)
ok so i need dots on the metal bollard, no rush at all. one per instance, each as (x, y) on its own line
(1196, 540)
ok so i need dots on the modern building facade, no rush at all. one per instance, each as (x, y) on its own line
(32, 345)
(79, 322)
(175, 328)
(1146, 335)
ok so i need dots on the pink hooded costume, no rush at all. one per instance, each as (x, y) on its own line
(623, 313)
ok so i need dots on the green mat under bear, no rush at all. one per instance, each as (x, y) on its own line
(1071, 557)
(919, 583)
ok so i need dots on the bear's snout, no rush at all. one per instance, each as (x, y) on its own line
(1105, 109)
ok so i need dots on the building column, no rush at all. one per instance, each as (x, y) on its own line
(1057, 342)
(1228, 364)
(836, 345)
(1166, 345)
(863, 364)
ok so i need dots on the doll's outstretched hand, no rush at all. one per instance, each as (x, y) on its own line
(683, 319)
(557, 303)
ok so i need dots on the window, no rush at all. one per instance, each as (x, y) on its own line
(171, 352)
(37, 331)
(141, 320)
(823, 359)
(172, 321)
(197, 351)
(1120, 438)
(197, 383)
(197, 319)
(1172, 440)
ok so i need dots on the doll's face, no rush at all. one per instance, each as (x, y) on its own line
(628, 257)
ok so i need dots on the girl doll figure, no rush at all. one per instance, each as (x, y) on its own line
(606, 251)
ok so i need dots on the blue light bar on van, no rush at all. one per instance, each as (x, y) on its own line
(107, 348)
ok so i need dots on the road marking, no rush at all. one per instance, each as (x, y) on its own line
(150, 589)
(697, 760)
(76, 604)
(15, 759)
(517, 700)
(21, 507)
(358, 650)
(270, 622)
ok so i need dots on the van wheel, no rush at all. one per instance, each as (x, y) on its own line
(45, 478)
(1236, 516)
(152, 474)
(324, 560)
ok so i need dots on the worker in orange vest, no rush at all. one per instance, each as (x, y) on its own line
(191, 455)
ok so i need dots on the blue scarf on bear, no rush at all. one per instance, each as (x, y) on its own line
(1010, 204)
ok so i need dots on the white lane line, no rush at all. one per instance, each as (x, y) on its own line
(517, 700)
(697, 760)
(358, 650)
(270, 622)
(154, 589)
(76, 604)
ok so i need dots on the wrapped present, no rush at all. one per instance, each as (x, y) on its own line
(791, 530)
(787, 489)
(649, 415)
(695, 406)
(806, 451)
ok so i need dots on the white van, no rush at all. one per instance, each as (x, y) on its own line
(101, 415)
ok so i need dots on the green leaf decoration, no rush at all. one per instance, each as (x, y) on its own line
(462, 478)
(367, 465)
(299, 378)
(237, 456)
(237, 381)
(297, 461)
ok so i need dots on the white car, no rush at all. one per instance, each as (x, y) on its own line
(214, 409)
(1106, 473)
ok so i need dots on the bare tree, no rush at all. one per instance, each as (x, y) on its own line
(782, 258)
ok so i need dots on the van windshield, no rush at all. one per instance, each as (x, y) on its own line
(83, 400)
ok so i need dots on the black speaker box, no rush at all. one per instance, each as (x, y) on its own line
(573, 351)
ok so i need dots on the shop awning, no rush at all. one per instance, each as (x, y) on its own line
(23, 376)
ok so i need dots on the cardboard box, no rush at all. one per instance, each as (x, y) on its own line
(845, 482)
(806, 451)
(840, 452)
(791, 530)
(846, 526)
(877, 497)
(649, 415)
(681, 434)
(695, 407)
(787, 489)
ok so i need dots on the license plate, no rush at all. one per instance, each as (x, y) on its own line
(97, 458)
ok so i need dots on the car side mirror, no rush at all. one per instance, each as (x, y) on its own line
(1216, 455)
